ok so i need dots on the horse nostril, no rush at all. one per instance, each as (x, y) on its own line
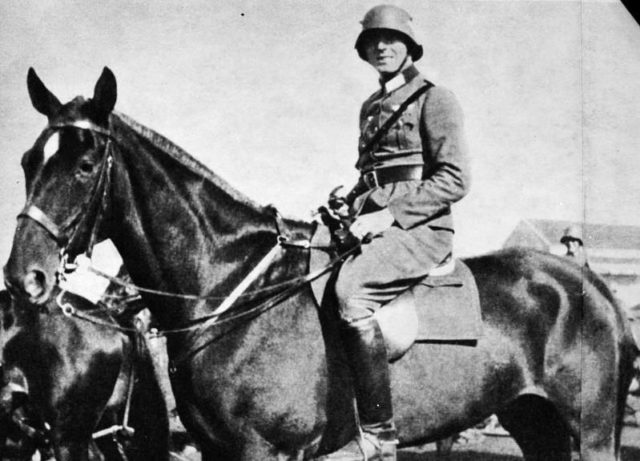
(34, 283)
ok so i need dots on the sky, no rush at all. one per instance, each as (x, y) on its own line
(267, 95)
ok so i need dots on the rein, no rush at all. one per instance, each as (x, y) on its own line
(213, 318)
(282, 243)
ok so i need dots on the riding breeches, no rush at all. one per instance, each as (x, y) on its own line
(387, 266)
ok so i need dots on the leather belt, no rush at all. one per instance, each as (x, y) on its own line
(386, 175)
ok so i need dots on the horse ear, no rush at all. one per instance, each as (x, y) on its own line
(105, 94)
(42, 99)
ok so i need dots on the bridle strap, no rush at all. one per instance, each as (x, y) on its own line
(36, 214)
(83, 125)
(94, 209)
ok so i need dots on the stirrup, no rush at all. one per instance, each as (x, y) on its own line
(388, 450)
(365, 447)
(385, 443)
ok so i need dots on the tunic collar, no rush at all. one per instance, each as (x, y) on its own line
(400, 79)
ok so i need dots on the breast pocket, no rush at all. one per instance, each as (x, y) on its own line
(408, 135)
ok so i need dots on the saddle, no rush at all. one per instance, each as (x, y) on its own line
(442, 307)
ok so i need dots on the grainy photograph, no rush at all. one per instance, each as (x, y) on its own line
(320, 230)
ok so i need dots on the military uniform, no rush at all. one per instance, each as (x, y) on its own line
(426, 145)
(415, 171)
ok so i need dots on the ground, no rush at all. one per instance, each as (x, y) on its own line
(483, 448)
(505, 449)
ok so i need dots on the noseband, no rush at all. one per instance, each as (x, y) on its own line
(68, 234)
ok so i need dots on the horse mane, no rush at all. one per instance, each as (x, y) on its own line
(164, 145)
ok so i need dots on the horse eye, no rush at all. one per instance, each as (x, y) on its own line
(86, 167)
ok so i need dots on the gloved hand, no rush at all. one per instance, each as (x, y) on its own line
(338, 204)
(339, 229)
(371, 224)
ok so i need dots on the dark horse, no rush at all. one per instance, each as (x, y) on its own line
(263, 379)
(79, 374)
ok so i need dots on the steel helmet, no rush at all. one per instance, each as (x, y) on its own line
(388, 17)
(573, 232)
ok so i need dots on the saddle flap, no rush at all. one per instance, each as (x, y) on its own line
(448, 306)
(438, 308)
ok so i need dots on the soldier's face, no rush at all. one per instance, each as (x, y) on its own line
(386, 52)
(573, 247)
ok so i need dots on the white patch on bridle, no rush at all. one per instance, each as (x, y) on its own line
(51, 146)
(84, 124)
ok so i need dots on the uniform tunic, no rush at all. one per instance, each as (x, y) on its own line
(429, 132)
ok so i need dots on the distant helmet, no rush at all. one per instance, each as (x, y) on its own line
(388, 17)
(572, 232)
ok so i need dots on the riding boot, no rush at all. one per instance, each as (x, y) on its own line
(367, 356)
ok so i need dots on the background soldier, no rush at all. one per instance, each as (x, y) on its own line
(572, 240)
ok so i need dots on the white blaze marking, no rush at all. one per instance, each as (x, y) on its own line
(51, 147)
(84, 124)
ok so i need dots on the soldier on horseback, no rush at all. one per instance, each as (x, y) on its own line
(413, 165)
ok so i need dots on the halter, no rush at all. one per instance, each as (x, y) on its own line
(68, 235)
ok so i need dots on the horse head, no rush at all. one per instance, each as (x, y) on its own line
(67, 173)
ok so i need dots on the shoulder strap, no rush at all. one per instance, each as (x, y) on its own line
(396, 115)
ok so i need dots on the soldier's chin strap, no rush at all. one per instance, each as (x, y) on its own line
(398, 71)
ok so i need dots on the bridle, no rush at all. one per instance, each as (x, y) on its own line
(69, 235)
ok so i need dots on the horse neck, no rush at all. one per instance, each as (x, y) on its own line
(183, 230)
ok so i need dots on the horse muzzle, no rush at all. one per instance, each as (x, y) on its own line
(34, 285)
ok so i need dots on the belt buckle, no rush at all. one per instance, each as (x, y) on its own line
(371, 179)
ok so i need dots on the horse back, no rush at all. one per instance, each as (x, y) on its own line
(563, 317)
